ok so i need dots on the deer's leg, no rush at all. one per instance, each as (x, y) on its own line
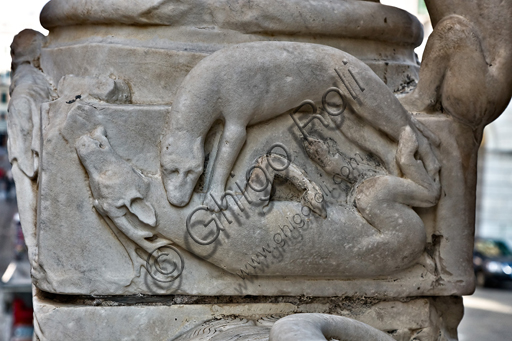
(260, 182)
(369, 139)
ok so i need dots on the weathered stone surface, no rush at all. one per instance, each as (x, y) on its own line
(349, 18)
(274, 150)
(164, 56)
(29, 90)
(419, 319)
(126, 142)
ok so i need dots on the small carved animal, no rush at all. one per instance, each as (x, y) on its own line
(316, 327)
(116, 187)
(297, 327)
(254, 82)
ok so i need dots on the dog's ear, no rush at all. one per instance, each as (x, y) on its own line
(143, 210)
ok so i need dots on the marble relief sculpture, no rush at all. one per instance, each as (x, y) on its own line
(30, 88)
(252, 83)
(253, 170)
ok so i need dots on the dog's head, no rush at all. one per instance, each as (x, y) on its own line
(181, 165)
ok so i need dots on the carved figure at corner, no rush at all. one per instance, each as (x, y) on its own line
(466, 66)
(254, 82)
(29, 90)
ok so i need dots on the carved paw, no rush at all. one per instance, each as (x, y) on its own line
(432, 165)
(407, 146)
(418, 170)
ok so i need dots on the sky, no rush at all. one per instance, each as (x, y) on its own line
(16, 15)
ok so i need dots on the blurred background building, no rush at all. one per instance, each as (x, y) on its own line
(5, 81)
(419, 9)
(494, 203)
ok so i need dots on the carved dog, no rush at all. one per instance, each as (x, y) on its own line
(254, 82)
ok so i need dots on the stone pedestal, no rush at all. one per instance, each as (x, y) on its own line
(127, 319)
(196, 169)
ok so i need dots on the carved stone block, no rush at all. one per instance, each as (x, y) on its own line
(277, 170)
(416, 319)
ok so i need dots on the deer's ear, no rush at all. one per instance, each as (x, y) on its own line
(143, 210)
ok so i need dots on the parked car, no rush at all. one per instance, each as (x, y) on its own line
(492, 262)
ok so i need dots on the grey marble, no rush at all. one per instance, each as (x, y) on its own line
(200, 170)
